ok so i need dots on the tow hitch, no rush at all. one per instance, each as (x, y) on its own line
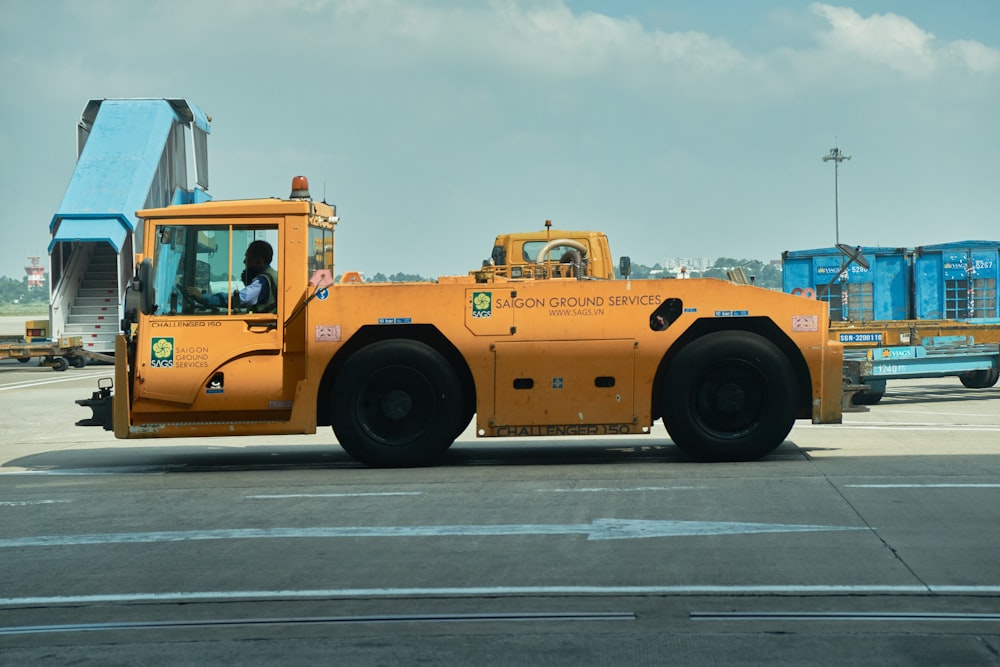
(100, 405)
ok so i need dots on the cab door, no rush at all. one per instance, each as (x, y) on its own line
(203, 351)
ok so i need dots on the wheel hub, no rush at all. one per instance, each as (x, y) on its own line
(396, 404)
(730, 398)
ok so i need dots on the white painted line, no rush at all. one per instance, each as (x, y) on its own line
(25, 503)
(599, 529)
(620, 489)
(514, 617)
(923, 486)
(490, 591)
(26, 384)
(916, 427)
(966, 415)
(854, 616)
(283, 496)
(916, 424)
(123, 470)
(901, 426)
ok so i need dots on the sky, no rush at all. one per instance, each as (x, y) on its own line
(681, 129)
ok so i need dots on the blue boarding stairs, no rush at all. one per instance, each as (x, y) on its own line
(132, 154)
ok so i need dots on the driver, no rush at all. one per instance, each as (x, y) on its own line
(260, 294)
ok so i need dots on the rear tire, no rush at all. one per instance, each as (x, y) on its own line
(396, 403)
(729, 396)
(980, 379)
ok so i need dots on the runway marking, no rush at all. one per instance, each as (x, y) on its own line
(24, 503)
(620, 489)
(491, 591)
(947, 414)
(923, 486)
(26, 384)
(932, 616)
(504, 617)
(120, 470)
(282, 496)
(987, 428)
(599, 529)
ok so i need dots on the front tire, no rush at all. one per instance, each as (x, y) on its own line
(396, 403)
(729, 396)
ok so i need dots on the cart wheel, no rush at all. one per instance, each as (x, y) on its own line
(60, 364)
(980, 379)
(24, 360)
(77, 362)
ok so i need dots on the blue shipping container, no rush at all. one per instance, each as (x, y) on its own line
(880, 292)
(957, 281)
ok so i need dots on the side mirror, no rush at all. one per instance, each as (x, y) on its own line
(625, 267)
(499, 255)
(143, 284)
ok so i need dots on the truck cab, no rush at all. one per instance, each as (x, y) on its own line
(550, 253)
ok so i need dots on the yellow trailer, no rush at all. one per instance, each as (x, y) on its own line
(57, 354)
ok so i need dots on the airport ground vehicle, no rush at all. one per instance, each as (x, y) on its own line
(57, 355)
(929, 311)
(399, 370)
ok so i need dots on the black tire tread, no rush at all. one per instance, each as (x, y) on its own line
(749, 361)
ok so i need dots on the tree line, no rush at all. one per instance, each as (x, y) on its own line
(14, 291)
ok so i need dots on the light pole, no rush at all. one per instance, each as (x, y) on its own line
(837, 156)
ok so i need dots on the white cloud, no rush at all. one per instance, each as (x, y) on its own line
(557, 39)
(976, 56)
(535, 39)
(897, 43)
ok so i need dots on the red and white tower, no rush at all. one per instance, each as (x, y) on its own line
(36, 273)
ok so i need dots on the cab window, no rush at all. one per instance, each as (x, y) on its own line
(199, 269)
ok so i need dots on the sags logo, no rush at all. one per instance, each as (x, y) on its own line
(482, 304)
(162, 353)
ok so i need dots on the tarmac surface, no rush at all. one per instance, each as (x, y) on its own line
(870, 542)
